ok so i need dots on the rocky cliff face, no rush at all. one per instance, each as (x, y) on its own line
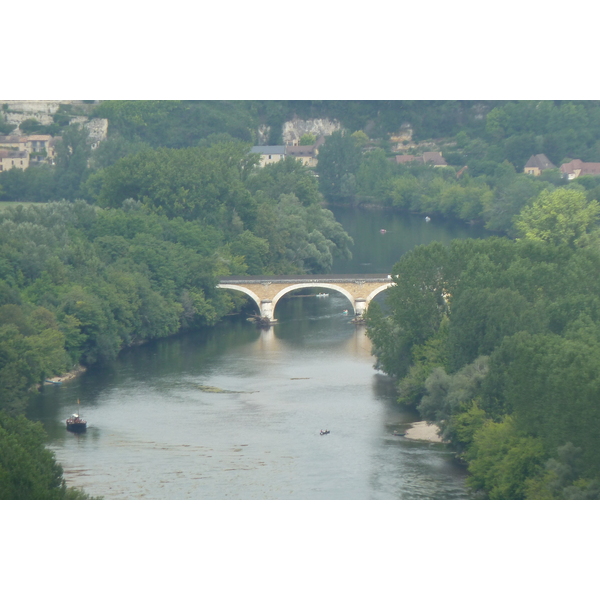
(295, 129)
(17, 111)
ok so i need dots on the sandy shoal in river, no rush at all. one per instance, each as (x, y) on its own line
(66, 376)
(423, 432)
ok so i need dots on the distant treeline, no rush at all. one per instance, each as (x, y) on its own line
(492, 139)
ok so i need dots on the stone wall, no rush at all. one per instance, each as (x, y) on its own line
(16, 111)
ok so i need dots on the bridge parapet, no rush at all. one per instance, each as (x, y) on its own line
(305, 278)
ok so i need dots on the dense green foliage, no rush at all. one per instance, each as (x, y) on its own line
(28, 470)
(498, 342)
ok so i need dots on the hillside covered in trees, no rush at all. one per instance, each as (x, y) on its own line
(485, 144)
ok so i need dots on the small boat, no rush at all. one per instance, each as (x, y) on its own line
(324, 432)
(382, 231)
(398, 434)
(322, 295)
(75, 423)
(427, 219)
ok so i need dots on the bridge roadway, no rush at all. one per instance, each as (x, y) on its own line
(266, 291)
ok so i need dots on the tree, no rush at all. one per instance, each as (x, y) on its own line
(192, 183)
(518, 148)
(501, 459)
(5, 128)
(418, 305)
(361, 139)
(550, 384)
(482, 318)
(496, 123)
(308, 139)
(28, 470)
(29, 126)
(511, 195)
(339, 156)
(562, 216)
(448, 396)
(72, 154)
(374, 175)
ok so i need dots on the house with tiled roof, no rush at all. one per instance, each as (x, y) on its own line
(536, 164)
(41, 148)
(13, 159)
(14, 142)
(306, 154)
(576, 168)
(434, 158)
(269, 154)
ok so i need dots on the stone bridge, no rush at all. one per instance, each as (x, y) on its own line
(266, 291)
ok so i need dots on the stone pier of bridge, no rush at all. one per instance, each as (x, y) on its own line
(267, 291)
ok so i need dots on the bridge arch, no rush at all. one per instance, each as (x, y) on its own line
(244, 290)
(300, 286)
(380, 289)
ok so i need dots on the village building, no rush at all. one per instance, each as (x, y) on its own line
(13, 159)
(307, 155)
(39, 148)
(13, 142)
(42, 146)
(536, 164)
(269, 154)
(577, 168)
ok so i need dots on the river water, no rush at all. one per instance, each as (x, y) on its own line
(234, 412)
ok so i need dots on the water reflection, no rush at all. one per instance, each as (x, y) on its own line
(156, 432)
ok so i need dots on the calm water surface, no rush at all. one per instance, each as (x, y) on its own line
(156, 429)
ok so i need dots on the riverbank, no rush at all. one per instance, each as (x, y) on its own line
(424, 432)
(66, 376)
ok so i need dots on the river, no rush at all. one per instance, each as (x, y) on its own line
(234, 412)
